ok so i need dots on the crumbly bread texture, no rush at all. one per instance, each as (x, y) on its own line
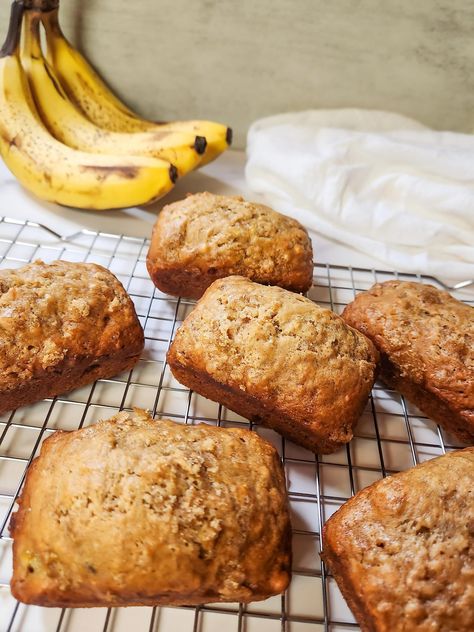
(402, 550)
(426, 342)
(62, 325)
(133, 511)
(206, 237)
(277, 358)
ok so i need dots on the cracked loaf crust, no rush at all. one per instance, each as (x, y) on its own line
(277, 358)
(206, 237)
(402, 550)
(426, 341)
(62, 325)
(133, 511)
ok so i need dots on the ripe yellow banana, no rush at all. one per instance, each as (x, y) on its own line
(87, 90)
(70, 126)
(54, 171)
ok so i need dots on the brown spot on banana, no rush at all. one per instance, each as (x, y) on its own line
(11, 142)
(103, 172)
(15, 141)
(84, 84)
(228, 136)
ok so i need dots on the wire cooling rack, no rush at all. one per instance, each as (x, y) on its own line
(391, 436)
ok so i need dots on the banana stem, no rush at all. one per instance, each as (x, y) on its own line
(51, 24)
(31, 39)
(41, 5)
(14, 29)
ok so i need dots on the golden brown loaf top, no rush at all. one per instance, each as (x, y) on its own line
(427, 337)
(298, 361)
(402, 550)
(53, 316)
(205, 237)
(135, 511)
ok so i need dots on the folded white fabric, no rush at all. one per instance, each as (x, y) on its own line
(379, 182)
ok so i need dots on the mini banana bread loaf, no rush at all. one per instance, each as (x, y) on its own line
(277, 358)
(402, 550)
(62, 325)
(206, 237)
(426, 341)
(133, 511)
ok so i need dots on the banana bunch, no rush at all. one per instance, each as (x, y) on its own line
(69, 140)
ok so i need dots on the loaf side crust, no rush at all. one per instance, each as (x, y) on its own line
(277, 358)
(62, 325)
(67, 377)
(402, 550)
(206, 237)
(426, 341)
(133, 511)
(265, 412)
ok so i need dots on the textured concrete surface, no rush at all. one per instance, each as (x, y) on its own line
(236, 61)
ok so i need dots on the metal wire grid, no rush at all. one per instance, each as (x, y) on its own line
(391, 436)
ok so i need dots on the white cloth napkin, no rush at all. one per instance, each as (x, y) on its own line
(376, 181)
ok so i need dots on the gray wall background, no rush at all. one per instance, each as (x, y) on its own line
(235, 61)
